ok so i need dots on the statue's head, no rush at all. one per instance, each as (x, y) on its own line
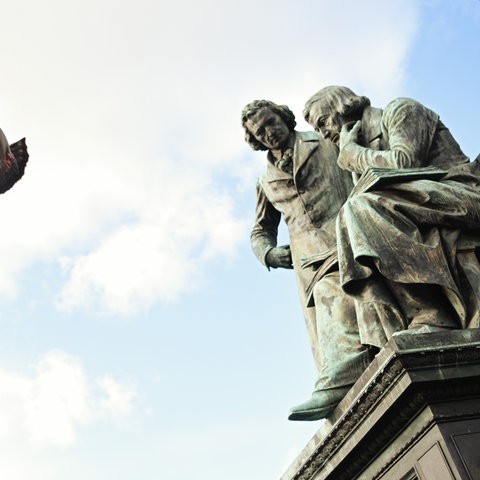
(267, 125)
(331, 107)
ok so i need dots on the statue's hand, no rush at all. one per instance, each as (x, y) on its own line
(279, 257)
(349, 134)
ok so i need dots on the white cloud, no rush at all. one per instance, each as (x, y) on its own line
(118, 401)
(52, 404)
(57, 402)
(134, 128)
(178, 228)
(15, 466)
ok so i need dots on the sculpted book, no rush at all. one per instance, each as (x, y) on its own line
(376, 178)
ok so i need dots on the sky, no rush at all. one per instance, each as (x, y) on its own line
(139, 335)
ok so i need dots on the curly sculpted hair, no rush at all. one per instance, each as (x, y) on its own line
(252, 108)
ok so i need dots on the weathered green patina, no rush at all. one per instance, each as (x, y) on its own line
(398, 257)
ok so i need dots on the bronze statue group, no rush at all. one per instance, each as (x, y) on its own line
(383, 213)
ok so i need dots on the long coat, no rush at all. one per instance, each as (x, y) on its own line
(422, 233)
(309, 201)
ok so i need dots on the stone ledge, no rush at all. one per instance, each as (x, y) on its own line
(409, 373)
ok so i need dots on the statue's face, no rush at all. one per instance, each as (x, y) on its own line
(326, 120)
(269, 129)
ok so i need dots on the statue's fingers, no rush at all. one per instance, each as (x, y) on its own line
(356, 128)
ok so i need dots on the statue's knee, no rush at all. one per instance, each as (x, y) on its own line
(359, 201)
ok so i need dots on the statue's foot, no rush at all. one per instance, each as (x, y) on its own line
(421, 328)
(320, 405)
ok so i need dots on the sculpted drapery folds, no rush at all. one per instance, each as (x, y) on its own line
(408, 252)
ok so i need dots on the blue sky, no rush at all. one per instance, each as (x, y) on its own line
(140, 336)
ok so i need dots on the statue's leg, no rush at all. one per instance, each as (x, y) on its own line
(468, 266)
(374, 235)
(384, 308)
(379, 315)
(342, 355)
(311, 324)
(378, 238)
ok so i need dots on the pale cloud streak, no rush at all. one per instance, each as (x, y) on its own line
(50, 405)
(136, 148)
(179, 227)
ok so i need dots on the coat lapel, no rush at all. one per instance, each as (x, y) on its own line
(305, 144)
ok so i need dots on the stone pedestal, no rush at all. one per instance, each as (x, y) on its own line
(414, 414)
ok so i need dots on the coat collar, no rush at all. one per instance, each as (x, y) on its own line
(305, 144)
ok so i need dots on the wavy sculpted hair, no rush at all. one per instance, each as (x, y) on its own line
(339, 99)
(252, 108)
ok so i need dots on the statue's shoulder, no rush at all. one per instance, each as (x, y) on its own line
(308, 141)
(404, 110)
(408, 108)
(310, 136)
(401, 101)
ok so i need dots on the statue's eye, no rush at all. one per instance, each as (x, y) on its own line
(321, 122)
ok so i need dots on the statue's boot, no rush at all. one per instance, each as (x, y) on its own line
(320, 405)
(332, 385)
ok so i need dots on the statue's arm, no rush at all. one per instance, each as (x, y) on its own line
(265, 231)
(408, 126)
